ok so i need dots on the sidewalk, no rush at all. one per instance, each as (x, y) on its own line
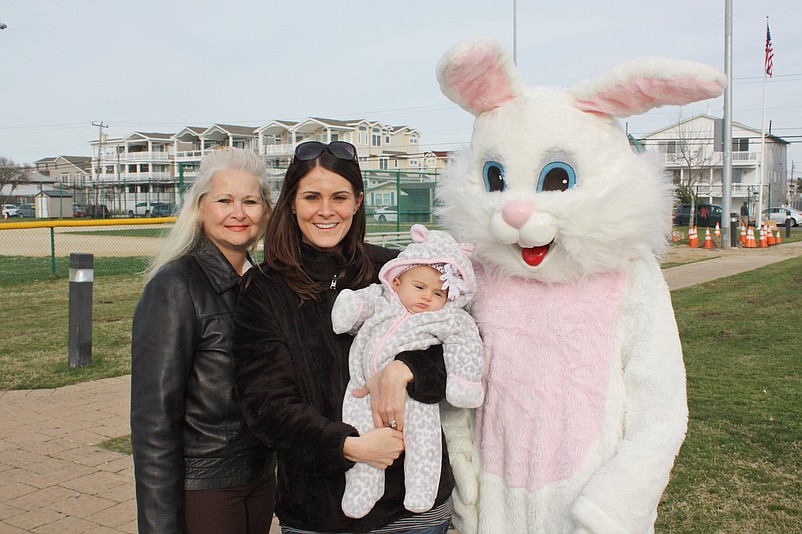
(54, 479)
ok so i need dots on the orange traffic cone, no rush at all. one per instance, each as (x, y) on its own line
(742, 237)
(717, 233)
(778, 240)
(674, 236)
(693, 238)
(708, 240)
(763, 243)
(770, 237)
(750, 238)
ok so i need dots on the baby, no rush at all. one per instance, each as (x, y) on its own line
(419, 303)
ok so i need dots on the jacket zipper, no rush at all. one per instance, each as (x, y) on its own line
(333, 285)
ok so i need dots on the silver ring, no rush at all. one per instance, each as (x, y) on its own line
(392, 424)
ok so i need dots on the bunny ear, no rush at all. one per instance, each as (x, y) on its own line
(419, 233)
(642, 84)
(478, 75)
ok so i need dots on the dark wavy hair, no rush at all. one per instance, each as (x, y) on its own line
(283, 238)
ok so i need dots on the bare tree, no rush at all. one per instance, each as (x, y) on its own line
(693, 153)
(11, 175)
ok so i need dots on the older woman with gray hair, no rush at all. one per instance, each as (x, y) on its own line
(198, 467)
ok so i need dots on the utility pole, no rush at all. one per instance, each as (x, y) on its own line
(728, 225)
(515, 32)
(99, 169)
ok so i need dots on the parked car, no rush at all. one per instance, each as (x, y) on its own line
(162, 209)
(140, 209)
(26, 210)
(706, 215)
(79, 210)
(9, 210)
(778, 215)
(386, 214)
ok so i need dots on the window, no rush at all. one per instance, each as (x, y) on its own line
(413, 163)
(363, 135)
(668, 147)
(376, 138)
(387, 140)
(413, 140)
(383, 199)
(335, 137)
(740, 144)
(383, 164)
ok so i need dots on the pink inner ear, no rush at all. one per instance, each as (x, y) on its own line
(640, 95)
(476, 76)
(419, 233)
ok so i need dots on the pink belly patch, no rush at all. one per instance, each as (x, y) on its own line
(548, 353)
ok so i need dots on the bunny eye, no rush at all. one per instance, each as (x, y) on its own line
(556, 176)
(493, 175)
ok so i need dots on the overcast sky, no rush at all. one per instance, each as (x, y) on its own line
(157, 66)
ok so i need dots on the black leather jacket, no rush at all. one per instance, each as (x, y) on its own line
(187, 428)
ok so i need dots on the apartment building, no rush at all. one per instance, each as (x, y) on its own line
(691, 150)
(156, 167)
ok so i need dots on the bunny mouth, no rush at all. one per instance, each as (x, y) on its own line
(533, 256)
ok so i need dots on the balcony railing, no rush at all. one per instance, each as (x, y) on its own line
(146, 156)
(738, 158)
(142, 177)
(278, 150)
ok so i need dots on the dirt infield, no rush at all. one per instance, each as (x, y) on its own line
(36, 242)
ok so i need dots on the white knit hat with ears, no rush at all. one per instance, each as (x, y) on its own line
(437, 249)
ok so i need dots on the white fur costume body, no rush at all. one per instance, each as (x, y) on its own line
(585, 405)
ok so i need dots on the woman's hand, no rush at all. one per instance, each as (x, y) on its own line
(388, 394)
(378, 448)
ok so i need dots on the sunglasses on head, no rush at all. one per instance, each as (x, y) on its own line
(313, 149)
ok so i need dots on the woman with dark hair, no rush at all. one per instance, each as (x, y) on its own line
(291, 369)
(198, 468)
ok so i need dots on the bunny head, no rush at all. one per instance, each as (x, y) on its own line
(549, 188)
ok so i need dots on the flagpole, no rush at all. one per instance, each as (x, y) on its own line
(759, 211)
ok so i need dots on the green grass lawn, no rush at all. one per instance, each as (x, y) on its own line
(738, 471)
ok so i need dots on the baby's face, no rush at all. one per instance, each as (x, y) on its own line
(420, 289)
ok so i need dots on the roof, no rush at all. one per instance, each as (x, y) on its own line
(713, 118)
(55, 193)
(233, 129)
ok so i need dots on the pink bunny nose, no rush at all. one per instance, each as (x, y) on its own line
(516, 213)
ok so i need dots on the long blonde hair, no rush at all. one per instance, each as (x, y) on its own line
(188, 227)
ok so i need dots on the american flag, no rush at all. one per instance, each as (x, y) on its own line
(769, 51)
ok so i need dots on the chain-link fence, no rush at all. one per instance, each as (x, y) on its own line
(34, 248)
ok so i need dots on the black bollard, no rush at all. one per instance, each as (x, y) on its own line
(82, 275)
(734, 232)
(787, 225)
